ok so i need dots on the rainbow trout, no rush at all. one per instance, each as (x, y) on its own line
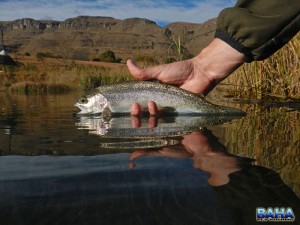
(166, 127)
(118, 99)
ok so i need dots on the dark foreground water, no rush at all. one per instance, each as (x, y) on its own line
(56, 168)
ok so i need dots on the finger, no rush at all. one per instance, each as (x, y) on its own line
(137, 154)
(152, 107)
(134, 69)
(142, 153)
(175, 152)
(135, 122)
(143, 74)
(135, 109)
(152, 122)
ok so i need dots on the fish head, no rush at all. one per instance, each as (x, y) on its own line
(91, 104)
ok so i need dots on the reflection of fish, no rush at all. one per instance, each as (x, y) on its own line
(118, 98)
(121, 127)
(152, 143)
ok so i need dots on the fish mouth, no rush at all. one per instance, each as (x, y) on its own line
(82, 108)
(86, 110)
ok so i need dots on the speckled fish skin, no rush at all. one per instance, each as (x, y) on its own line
(166, 127)
(171, 99)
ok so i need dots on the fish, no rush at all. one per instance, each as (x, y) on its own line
(116, 99)
(166, 127)
(152, 143)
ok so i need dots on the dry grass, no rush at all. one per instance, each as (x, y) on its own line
(56, 76)
(276, 77)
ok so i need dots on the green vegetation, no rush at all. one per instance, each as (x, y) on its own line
(108, 56)
(181, 52)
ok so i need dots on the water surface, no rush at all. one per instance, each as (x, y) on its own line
(56, 168)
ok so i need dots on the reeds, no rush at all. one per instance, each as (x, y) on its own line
(271, 137)
(277, 77)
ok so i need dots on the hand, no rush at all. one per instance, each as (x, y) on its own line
(198, 75)
(184, 74)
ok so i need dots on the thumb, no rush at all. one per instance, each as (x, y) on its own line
(141, 74)
(134, 69)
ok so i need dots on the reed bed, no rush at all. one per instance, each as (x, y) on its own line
(277, 77)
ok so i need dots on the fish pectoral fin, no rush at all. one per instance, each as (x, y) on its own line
(107, 114)
(168, 110)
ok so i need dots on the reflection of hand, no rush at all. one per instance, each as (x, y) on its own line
(171, 151)
(136, 121)
(207, 153)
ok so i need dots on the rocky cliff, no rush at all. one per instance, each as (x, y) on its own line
(85, 36)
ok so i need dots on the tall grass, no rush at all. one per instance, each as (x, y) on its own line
(56, 78)
(89, 81)
(276, 77)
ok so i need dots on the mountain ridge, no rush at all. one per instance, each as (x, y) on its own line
(83, 37)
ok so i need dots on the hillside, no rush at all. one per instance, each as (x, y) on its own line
(83, 37)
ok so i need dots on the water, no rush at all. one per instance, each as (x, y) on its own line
(56, 168)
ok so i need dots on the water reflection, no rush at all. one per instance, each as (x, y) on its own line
(237, 184)
(148, 127)
(195, 182)
(51, 172)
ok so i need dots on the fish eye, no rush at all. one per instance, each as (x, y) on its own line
(83, 100)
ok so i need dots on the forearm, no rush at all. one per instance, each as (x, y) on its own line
(258, 28)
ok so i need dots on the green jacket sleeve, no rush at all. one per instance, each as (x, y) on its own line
(258, 28)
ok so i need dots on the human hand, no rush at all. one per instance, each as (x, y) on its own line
(183, 74)
(199, 74)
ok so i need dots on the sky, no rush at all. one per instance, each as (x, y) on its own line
(160, 11)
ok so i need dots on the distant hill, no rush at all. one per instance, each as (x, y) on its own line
(84, 37)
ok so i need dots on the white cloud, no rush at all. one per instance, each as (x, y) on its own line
(164, 10)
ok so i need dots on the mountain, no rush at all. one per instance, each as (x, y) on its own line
(84, 37)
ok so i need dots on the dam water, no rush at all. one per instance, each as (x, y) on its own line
(57, 168)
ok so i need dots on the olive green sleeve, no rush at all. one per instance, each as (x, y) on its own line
(258, 28)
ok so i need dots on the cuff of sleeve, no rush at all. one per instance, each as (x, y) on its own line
(234, 44)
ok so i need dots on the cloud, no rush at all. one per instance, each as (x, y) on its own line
(164, 10)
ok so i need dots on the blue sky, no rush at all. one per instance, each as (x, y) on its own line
(160, 11)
